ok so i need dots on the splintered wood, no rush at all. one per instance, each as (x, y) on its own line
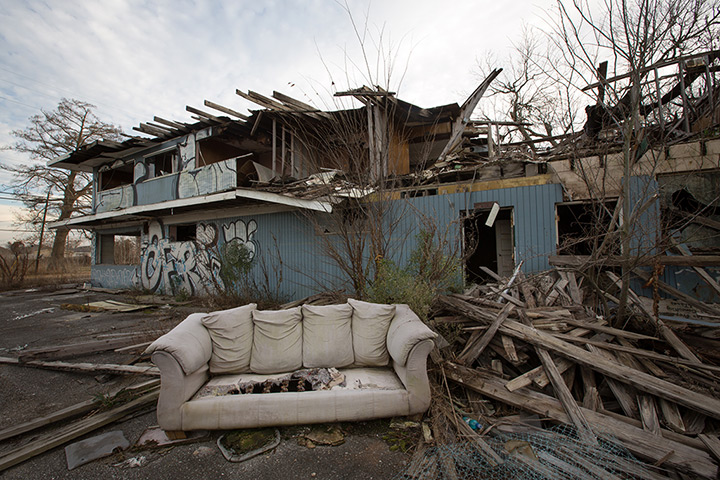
(538, 349)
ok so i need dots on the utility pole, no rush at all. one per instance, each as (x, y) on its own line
(42, 230)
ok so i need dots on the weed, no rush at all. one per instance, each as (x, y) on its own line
(428, 273)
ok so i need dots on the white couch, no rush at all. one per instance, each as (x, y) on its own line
(381, 349)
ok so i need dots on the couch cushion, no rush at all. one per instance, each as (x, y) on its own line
(370, 323)
(327, 336)
(231, 332)
(277, 341)
(189, 342)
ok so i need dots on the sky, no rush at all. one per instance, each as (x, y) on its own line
(136, 59)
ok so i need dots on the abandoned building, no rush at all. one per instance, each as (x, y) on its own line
(274, 179)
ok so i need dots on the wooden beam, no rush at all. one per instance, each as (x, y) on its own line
(68, 412)
(293, 102)
(616, 261)
(257, 124)
(76, 349)
(163, 128)
(473, 350)
(223, 109)
(562, 392)
(639, 352)
(84, 367)
(638, 441)
(170, 123)
(73, 431)
(203, 114)
(695, 401)
(685, 251)
(145, 128)
(458, 126)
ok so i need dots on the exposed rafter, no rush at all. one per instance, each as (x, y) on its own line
(204, 115)
(226, 110)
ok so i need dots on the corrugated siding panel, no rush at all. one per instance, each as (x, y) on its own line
(289, 238)
(533, 212)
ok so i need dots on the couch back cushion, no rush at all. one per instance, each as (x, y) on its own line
(370, 323)
(277, 341)
(327, 336)
(231, 333)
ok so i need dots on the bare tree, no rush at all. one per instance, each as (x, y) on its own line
(50, 135)
(634, 37)
(529, 93)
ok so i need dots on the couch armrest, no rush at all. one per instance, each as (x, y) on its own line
(189, 343)
(406, 330)
(175, 388)
(413, 374)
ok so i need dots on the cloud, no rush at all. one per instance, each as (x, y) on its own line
(135, 59)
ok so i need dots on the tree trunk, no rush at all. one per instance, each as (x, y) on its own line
(57, 256)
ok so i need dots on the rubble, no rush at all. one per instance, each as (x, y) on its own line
(545, 346)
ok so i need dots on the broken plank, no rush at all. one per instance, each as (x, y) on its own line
(635, 439)
(492, 274)
(473, 351)
(666, 332)
(84, 367)
(563, 394)
(71, 411)
(76, 349)
(616, 332)
(555, 292)
(671, 414)
(591, 396)
(637, 351)
(683, 396)
(648, 414)
(712, 443)
(510, 350)
(74, 430)
(526, 291)
(677, 293)
(702, 273)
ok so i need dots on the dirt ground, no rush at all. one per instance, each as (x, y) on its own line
(35, 318)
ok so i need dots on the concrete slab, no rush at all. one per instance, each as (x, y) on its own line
(84, 451)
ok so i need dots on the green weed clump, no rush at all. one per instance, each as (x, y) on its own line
(245, 278)
(428, 273)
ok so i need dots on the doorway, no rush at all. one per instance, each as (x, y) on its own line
(491, 246)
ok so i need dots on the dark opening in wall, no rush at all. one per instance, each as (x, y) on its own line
(491, 246)
(582, 227)
(163, 163)
(119, 249)
(116, 177)
(183, 233)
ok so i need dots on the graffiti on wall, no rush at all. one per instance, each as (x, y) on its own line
(191, 266)
(217, 177)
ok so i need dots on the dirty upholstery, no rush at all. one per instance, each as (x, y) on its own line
(399, 388)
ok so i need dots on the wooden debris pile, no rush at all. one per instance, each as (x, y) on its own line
(531, 347)
(62, 426)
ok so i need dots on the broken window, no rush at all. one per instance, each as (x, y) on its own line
(582, 227)
(119, 249)
(115, 177)
(212, 150)
(489, 242)
(183, 233)
(690, 204)
(163, 163)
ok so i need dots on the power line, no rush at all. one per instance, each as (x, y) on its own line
(19, 103)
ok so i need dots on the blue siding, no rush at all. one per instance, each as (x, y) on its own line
(289, 251)
(533, 213)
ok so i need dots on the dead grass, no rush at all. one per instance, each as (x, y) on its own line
(72, 272)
